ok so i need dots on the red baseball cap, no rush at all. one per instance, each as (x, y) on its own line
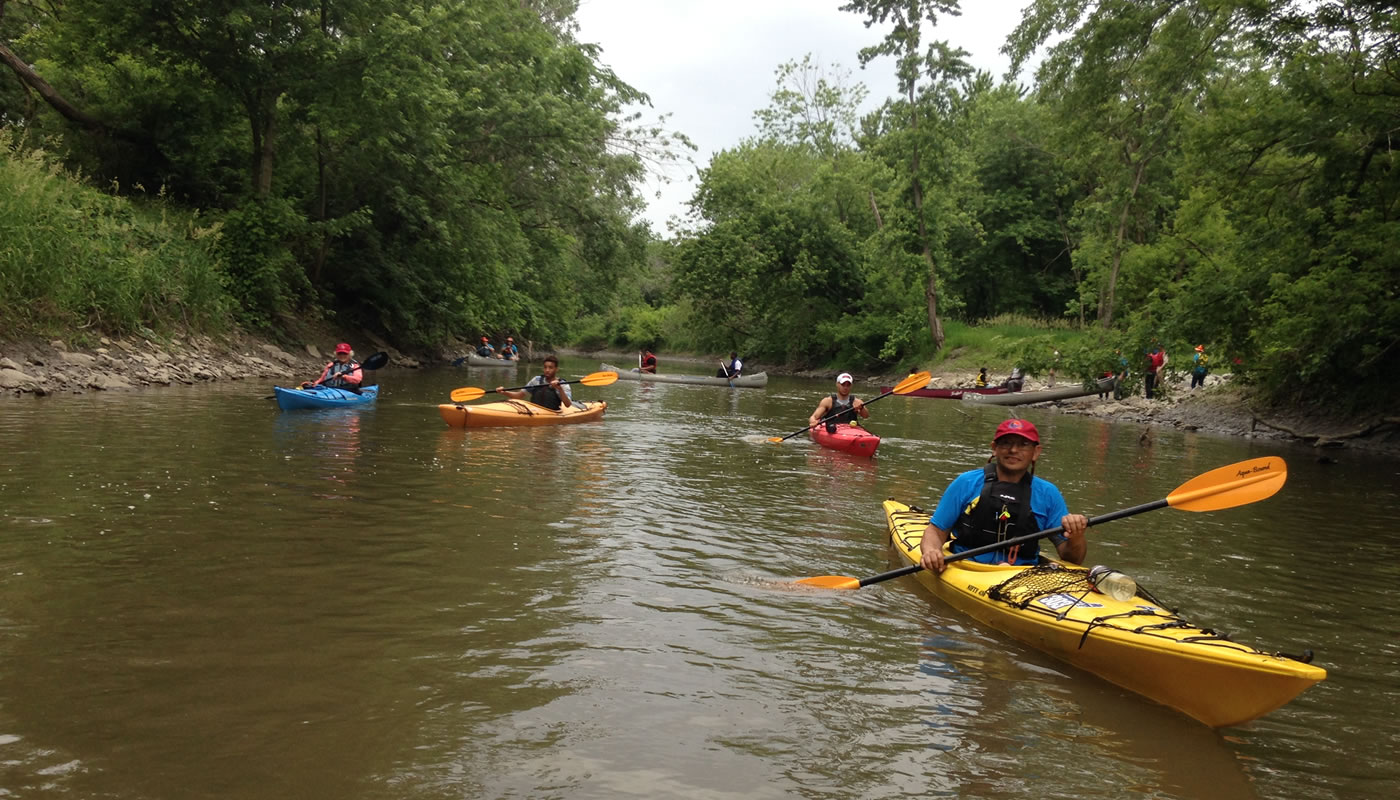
(343, 347)
(1017, 427)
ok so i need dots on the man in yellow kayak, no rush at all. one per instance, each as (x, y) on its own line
(543, 390)
(842, 403)
(1003, 500)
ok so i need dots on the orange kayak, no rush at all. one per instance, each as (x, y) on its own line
(514, 413)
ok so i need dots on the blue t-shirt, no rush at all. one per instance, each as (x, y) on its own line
(1047, 507)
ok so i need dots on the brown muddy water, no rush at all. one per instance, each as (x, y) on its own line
(204, 597)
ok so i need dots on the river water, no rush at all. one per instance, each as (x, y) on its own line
(204, 597)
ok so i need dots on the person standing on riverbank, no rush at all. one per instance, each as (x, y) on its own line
(343, 372)
(840, 407)
(1200, 365)
(1156, 359)
(1001, 501)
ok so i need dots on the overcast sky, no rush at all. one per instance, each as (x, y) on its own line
(711, 63)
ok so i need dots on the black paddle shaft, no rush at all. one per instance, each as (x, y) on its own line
(1030, 537)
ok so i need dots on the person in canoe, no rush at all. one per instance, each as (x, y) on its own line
(544, 390)
(731, 370)
(343, 372)
(981, 382)
(646, 362)
(842, 404)
(510, 352)
(485, 350)
(1003, 500)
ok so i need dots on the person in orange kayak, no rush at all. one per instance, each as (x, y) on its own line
(544, 390)
(341, 373)
(1001, 501)
(842, 404)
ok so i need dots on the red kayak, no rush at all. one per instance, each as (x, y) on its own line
(851, 439)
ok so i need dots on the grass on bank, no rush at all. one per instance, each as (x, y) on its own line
(76, 258)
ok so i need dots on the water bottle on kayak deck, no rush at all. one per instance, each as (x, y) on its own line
(1113, 583)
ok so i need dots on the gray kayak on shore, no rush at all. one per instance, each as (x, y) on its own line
(1041, 396)
(755, 381)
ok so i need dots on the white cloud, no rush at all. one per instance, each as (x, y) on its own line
(711, 64)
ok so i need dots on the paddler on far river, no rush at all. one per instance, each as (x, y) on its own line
(1001, 501)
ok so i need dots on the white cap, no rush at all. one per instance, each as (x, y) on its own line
(844, 377)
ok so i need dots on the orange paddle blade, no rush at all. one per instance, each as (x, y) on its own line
(467, 393)
(1230, 486)
(831, 582)
(916, 381)
(599, 379)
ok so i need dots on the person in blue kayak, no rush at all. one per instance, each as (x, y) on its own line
(485, 350)
(544, 390)
(509, 351)
(1001, 501)
(839, 407)
(343, 372)
(731, 370)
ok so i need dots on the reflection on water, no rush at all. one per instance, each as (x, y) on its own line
(200, 595)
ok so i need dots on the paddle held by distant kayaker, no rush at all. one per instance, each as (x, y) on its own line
(839, 407)
(543, 390)
(1001, 501)
(343, 372)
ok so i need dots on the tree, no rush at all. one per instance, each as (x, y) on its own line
(921, 104)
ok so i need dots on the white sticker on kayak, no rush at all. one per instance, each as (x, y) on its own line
(1055, 602)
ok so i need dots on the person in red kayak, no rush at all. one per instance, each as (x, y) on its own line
(1001, 501)
(839, 407)
(341, 373)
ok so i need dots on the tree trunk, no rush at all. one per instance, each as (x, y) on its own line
(266, 151)
(1106, 307)
(935, 325)
(60, 104)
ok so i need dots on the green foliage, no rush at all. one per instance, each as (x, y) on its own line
(262, 275)
(73, 257)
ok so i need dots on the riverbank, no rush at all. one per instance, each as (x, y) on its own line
(40, 368)
(1220, 407)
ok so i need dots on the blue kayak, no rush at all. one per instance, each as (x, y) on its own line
(323, 397)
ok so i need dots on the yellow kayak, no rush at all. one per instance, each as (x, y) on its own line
(1136, 644)
(514, 413)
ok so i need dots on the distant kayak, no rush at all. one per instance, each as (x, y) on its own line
(518, 413)
(1022, 398)
(755, 381)
(950, 394)
(851, 439)
(474, 360)
(323, 397)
